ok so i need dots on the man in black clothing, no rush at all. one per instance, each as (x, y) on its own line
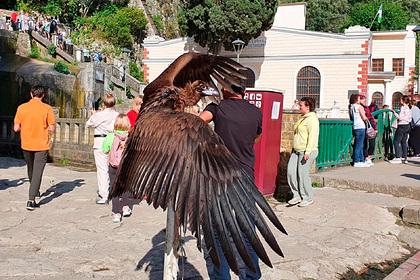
(239, 124)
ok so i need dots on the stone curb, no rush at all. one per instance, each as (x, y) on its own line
(409, 270)
(395, 190)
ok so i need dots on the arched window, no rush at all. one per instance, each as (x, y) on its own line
(378, 99)
(250, 81)
(396, 97)
(309, 84)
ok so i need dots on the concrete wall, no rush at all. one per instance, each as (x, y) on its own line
(292, 15)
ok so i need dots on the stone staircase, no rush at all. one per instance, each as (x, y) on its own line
(45, 42)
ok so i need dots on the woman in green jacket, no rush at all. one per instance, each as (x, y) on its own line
(304, 153)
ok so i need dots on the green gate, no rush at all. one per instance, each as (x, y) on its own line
(336, 139)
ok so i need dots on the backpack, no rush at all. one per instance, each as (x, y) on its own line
(117, 149)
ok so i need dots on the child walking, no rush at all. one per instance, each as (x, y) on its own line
(114, 144)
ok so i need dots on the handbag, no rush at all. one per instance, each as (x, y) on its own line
(370, 131)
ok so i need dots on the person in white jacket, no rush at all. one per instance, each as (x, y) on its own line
(403, 129)
(103, 123)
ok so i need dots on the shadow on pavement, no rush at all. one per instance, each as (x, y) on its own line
(153, 261)
(6, 184)
(412, 176)
(59, 189)
(9, 162)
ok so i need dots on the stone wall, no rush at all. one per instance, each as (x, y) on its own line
(288, 120)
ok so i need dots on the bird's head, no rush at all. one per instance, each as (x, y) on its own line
(193, 92)
(204, 89)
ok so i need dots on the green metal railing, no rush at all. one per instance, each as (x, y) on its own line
(336, 139)
(335, 142)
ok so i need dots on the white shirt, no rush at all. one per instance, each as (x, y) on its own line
(103, 123)
(358, 122)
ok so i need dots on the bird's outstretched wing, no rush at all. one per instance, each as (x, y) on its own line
(174, 158)
(190, 67)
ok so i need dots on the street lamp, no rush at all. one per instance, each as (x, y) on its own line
(417, 30)
(238, 46)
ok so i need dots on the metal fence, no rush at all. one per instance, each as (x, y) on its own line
(336, 139)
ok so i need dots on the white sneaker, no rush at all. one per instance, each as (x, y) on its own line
(361, 164)
(395, 160)
(117, 218)
(101, 201)
(126, 211)
(294, 201)
(305, 203)
(369, 162)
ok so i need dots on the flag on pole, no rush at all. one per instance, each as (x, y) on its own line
(379, 14)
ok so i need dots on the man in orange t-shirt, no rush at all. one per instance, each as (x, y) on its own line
(35, 120)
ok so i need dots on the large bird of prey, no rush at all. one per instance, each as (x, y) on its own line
(174, 159)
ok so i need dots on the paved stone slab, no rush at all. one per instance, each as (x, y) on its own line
(70, 237)
(402, 180)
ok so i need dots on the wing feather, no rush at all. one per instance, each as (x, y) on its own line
(190, 67)
(176, 159)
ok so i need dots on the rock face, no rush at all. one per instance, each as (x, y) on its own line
(23, 45)
(8, 42)
(18, 74)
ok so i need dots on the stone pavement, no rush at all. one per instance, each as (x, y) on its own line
(401, 180)
(70, 237)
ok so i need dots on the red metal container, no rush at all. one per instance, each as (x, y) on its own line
(267, 151)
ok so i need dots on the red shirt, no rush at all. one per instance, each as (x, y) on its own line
(132, 116)
(13, 16)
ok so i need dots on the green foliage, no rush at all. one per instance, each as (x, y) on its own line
(326, 15)
(35, 52)
(128, 93)
(64, 161)
(61, 67)
(215, 23)
(135, 72)
(120, 27)
(23, 5)
(413, 9)
(53, 7)
(52, 50)
(157, 20)
(394, 16)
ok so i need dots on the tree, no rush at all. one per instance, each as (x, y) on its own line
(394, 16)
(413, 9)
(326, 15)
(216, 23)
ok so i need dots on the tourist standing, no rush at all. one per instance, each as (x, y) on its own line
(114, 145)
(239, 124)
(403, 129)
(35, 120)
(103, 123)
(135, 109)
(414, 139)
(358, 117)
(304, 153)
(369, 143)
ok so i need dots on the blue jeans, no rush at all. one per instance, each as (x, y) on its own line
(359, 139)
(223, 273)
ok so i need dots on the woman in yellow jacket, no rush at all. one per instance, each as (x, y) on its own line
(304, 153)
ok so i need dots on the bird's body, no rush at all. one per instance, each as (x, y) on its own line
(175, 159)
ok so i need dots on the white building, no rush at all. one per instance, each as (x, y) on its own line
(326, 66)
